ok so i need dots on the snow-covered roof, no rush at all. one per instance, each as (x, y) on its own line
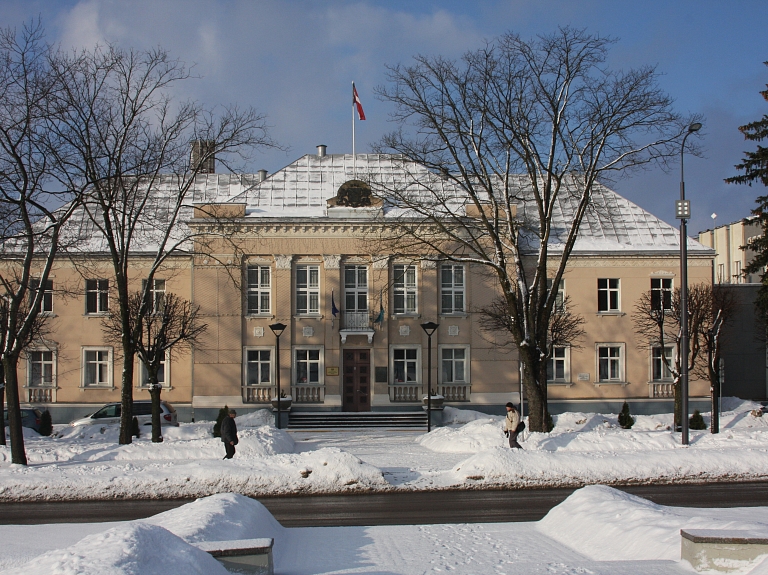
(302, 189)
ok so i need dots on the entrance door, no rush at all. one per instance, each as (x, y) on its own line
(357, 380)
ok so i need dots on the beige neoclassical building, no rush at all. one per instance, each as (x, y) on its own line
(300, 244)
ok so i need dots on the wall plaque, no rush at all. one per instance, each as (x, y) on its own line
(331, 371)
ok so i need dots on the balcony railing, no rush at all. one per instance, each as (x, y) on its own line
(399, 392)
(308, 393)
(454, 391)
(257, 393)
(663, 390)
(356, 323)
(41, 394)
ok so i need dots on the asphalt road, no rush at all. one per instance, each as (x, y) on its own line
(396, 508)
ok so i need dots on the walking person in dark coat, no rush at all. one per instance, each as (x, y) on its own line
(229, 433)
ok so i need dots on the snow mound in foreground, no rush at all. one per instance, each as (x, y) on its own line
(452, 415)
(606, 524)
(130, 549)
(476, 435)
(221, 517)
(256, 419)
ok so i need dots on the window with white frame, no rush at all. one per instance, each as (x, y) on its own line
(721, 274)
(258, 366)
(162, 373)
(454, 365)
(738, 278)
(97, 367)
(405, 365)
(560, 297)
(356, 288)
(307, 289)
(610, 362)
(661, 294)
(96, 296)
(259, 289)
(608, 294)
(46, 303)
(41, 368)
(156, 295)
(452, 289)
(308, 363)
(659, 369)
(558, 369)
(404, 288)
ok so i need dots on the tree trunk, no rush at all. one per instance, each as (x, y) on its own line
(714, 388)
(154, 392)
(536, 396)
(126, 397)
(2, 402)
(678, 409)
(18, 455)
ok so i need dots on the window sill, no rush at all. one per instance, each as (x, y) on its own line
(610, 313)
(409, 315)
(259, 316)
(98, 314)
(308, 316)
(51, 386)
(163, 388)
(560, 383)
(97, 387)
(621, 383)
(456, 314)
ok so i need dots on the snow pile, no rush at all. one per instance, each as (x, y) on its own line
(478, 434)
(452, 416)
(609, 525)
(255, 419)
(130, 549)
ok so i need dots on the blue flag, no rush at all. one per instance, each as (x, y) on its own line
(334, 309)
(380, 317)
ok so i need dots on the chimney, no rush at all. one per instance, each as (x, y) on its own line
(262, 175)
(202, 156)
(321, 150)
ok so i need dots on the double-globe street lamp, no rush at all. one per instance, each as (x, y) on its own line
(683, 213)
(429, 328)
(278, 329)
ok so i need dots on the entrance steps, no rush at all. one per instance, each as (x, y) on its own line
(347, 419)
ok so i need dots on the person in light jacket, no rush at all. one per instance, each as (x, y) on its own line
(510, 425)
(229, 433)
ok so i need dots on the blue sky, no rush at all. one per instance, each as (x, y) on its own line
(295, 60)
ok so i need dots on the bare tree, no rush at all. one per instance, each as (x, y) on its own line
(515, 138)
(34, 207)
(170, 329)
(657, 324)
(129, 142)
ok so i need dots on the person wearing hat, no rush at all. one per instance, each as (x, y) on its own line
(511, 423)
(229, 434)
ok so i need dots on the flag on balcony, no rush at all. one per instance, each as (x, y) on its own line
(334, 309)
(380, 318)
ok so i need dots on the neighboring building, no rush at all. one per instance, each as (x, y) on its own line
(745, 355)
(306, 256)
(730, 259)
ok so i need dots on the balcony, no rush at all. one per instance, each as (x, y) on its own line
(39, 394)
(308, 393)
(257, 393)
(663, 390)
(454, 391)
(356, 323)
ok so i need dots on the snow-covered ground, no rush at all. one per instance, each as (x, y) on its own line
(470, 452)
(596, 531)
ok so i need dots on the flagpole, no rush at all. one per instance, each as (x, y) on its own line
(354, 157)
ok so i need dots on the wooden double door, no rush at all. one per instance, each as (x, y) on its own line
(356, 395)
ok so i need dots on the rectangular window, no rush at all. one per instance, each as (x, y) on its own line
(608, 295)
(721, 274)
(660, 371)
(355, 288)
(162, 374)
(661, 294)
(156, 295)
(738, 278)
(452, 289)
(404, 364)
(96, 296)
(404, 285)
(307, 366)
(97, 367)
(610, 363)
(42, 369)
(455, 365)
(560, 297)
(307, 289)
(258, 367)
(557, 365)
(259, 289)
(46, 303)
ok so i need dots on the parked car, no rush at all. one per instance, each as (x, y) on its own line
(30, 417)
(110, 414)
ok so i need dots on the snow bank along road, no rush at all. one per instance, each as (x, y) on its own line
(597, 530)
(87, 463)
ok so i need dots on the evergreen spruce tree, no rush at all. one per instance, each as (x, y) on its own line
(697, 421)
(625, 419)
(46, 425)
(550, 422)
(136, 432)
(223, 412)
(754, 169)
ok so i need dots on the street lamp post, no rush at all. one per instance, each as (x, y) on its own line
(429, 328)
(683, 212)
(277, 329)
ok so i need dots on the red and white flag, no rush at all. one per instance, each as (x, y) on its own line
(356, 102)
